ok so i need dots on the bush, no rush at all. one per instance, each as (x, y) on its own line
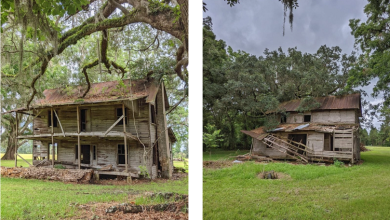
(338, 163)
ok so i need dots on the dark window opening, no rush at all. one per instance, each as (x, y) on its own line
(121, 154)
(83, 119)
(307, 118)
(119, 114)
(77, 152)
(54, 119)
(94, 152)
(153, 113)
(283, 119)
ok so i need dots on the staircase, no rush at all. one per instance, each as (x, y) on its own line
(288, 147)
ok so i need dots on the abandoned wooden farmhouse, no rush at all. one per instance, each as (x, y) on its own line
(118, 128)
(323, 134)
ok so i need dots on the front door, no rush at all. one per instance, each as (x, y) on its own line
(86, 154)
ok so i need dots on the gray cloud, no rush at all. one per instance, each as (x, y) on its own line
(254, 25)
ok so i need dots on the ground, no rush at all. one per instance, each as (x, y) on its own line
(37, 199)
(305, 192)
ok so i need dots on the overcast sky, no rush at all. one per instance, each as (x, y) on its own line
(254, 25)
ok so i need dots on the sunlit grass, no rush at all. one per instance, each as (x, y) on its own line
(219, 154)
(312, 192)
(11, 163)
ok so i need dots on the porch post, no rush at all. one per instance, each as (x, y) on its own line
(16, 140)
(52, 137)
(78, 138)
(124, 134)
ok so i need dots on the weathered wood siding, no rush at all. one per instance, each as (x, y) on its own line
(343, 140)
(334, 116)
(99, 119)
(315, 141)
(259, 148)
(327, 117)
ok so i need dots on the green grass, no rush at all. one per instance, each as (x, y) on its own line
(313, 192)
(33, 199)
(219, 154)
(11, 163)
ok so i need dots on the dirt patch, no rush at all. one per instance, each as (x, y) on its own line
(99, 211)
(280, 176)
(218, 164)
(122, 181)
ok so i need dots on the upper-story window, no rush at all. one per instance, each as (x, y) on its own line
(54, 119)
(119, 113)
(283, 118)
(307, 118)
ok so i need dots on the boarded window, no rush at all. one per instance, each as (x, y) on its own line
(119, 113)
(54, 119)
(307, 118)
(121, 154)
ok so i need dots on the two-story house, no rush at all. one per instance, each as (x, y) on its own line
(323, 134)
(118, 128)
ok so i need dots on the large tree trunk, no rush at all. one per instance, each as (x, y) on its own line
(10, 152)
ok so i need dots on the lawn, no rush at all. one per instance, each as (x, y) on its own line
(11, 163)
(312, 192)
(219, 154)
(38, 199)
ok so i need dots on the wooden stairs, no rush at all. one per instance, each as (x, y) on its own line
(292, 148)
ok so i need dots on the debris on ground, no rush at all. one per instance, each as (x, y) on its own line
(363, 148)
(64, 175)
(218, 164)
(249, 156)
(273, 175)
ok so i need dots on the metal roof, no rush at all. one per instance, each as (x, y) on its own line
(351, 101)
(324, 128)
(99, 93)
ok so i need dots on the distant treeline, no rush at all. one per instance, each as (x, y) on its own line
(239, 87)
(375, 137)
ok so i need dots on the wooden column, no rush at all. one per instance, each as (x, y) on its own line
(78, 138)
(16, 140)
(124, 134)
(52, 138)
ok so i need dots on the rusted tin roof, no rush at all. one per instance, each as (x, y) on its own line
(323, 128)
(98, 93)
(351, 101)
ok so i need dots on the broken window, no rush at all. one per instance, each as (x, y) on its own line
(119, 113)
(121, 154)
(83, 119)
(307, 118)
(54, 119)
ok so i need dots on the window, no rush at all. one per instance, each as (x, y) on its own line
(94, 152)
(83, 119)
(54, 119)
(283, 119)
(121, 154)
(119, 114)
(77, 152)
(153, 114)
(306, 118)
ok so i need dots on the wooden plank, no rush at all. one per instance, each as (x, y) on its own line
(16, 140)
(112, 126)
(116, 173)
(24, 159)
(124, 132)
(52, 137)
(59, 122)
(78, 138)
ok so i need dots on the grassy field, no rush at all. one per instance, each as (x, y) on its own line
(312, 192)
(37, 199)
(219, 154)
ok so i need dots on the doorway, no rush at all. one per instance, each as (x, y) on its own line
(300, 138)
(85, 154)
